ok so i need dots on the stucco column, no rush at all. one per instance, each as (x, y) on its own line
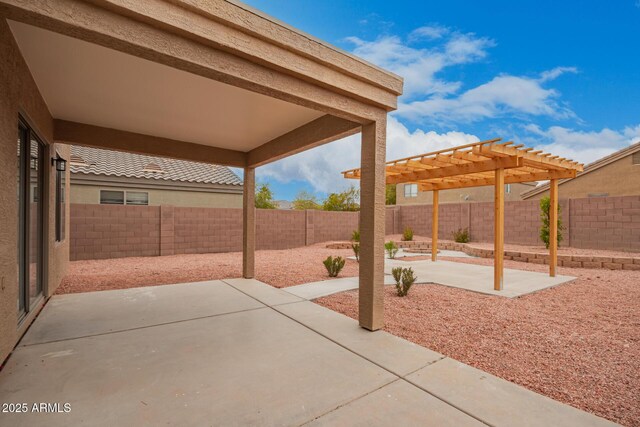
(249, 223)
(372, 224)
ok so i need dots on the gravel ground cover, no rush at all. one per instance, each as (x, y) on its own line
(279, 268)
(578, 343)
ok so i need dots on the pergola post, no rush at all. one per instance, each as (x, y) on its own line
(498, 248)
(372, 225)
(434, 227)
(553, 226)
(249, 223)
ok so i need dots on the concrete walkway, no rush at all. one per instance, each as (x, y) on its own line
(239, 352)
(476, 278)
(479, 278)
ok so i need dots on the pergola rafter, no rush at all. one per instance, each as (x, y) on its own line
(490, 162)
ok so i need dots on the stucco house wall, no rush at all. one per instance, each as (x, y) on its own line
(20, 97)
(461, 195)
(619, 178)
(185, 197)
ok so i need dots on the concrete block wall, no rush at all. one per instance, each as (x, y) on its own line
(606, 223)
(113, 231)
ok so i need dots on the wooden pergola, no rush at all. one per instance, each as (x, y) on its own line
(484, 163)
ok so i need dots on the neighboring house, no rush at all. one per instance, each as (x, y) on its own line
(615, 175)
(408, 194)
(113, 177)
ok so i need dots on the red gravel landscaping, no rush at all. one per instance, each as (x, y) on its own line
(279, 268)
(578, 343)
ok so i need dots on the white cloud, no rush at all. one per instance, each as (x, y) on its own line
(419, 65)
(429, 32)
(582, 146)
(321, 166)
(504, 95)
(554, 73)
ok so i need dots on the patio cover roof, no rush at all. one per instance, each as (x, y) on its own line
(473, 165)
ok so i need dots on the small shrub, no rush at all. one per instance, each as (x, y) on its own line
(407, 234)
(405, 278)
(334, 265)
(356, 250)
(355, 236)
(545, 207)
(391, 248)
(461, 236)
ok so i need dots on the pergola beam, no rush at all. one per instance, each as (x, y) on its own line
(508, 179)
(320, 131)
(456, 170)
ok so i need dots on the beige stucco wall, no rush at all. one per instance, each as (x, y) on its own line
(475, 194)
(90, 194)
(619, 178)
(19, 95)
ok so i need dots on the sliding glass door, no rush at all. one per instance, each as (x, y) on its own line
(31, 218)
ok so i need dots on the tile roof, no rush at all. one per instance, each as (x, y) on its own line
(96, 161)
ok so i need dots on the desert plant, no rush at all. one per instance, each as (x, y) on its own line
(545, 208)
(334, 265)
(405, 278)
(407, 234)
(391, 248)
(356, 250)
(462, 235)
(355, 236)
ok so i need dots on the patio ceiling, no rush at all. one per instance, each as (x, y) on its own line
(473, 165)
(87, 83)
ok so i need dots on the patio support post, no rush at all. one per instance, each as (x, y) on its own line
(434, 227)
(498, 242)
(553, 227)
(372, 224)
(248, 223)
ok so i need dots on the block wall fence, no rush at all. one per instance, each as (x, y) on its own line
(114, 231)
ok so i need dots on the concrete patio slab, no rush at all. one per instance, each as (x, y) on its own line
(313, 290)
(249, 368)
(262, 292)
(93, 313)
(289, 364)
(496, 401)
(388, 351)
(479, 278)
(397, 404)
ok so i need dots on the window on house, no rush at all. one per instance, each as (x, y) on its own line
(114, 197)
(60, 205)
(411, 190)
(507, 188)
(137, 198)
(109, 197)
(635, 158)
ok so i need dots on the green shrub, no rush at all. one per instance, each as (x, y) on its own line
(405, 278)
(356, 250)
(407, 235)
(355, 236)
(461, 236)
(545, 207)
(334, 265)
(391, 248)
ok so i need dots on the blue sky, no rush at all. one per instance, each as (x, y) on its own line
(558, 75)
